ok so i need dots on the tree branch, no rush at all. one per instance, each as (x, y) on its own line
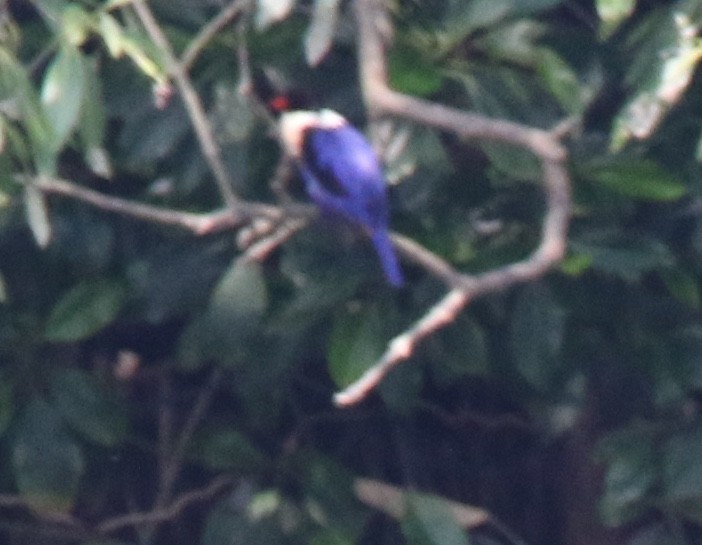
(167, 513)
(382, 100)
(199, 224)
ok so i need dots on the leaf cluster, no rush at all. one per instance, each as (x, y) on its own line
(140, 362)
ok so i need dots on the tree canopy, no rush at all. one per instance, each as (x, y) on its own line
(193, 354)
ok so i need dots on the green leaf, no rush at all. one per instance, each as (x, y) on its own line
(641, 180)
(682, 475)
(328, 488)
(84, 310)
(227, 524)
(7, 404)
(92, 125)
(16, 86)
(465, 17)
(269, 12)
(627, 257)
(514, 162)
(537, 335)
(660, 81)
(76, 24)
(112, 33)
(232, 319)
(225, 449)
(357, 341)
(48, 464)
(613, 13)
(462, 350)
(429, 521)
(631, 474)
(62, 91)
(412, 73)
(560, 80)
(320, 34)
(88, 407)
(37, 214)
(576, 264)
(683, 286)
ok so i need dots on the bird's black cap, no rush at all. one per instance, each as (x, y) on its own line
(270, 88)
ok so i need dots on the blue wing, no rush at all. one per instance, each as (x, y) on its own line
(342, 175)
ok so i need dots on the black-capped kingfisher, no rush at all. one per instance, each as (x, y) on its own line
(340, 170)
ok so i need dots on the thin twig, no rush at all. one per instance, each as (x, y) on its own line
(210, 30)
(178, 449)
(170, 512)
(200, 224)
(262, 248)
(193, 105)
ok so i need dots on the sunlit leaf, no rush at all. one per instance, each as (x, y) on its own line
(76, 24)
(320, 34)
(613, 13)
(112, 33)
(62, 91)
(88, 407)
(92, 125)
(37, 214)
(141, 53)
(48, 464)
(84, 310)
(666, 81)
(269, 12)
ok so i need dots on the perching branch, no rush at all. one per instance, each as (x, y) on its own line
(382, 101)
(283, 221)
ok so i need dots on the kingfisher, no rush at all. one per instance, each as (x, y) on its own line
(340, 170)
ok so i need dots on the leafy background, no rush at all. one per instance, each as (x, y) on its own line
(148, 371)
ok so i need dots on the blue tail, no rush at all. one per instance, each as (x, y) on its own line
(388, 257)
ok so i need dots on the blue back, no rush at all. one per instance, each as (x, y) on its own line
(343, 175)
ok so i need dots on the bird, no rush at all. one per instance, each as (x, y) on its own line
(339, 168)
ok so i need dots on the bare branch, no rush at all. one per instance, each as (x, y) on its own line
(193, 105)
(167, 513)
(402, 346)
(178, 448)
(382, 100)
(200, 224)
(262, 248)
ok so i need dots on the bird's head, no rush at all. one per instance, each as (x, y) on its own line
(278, 98)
